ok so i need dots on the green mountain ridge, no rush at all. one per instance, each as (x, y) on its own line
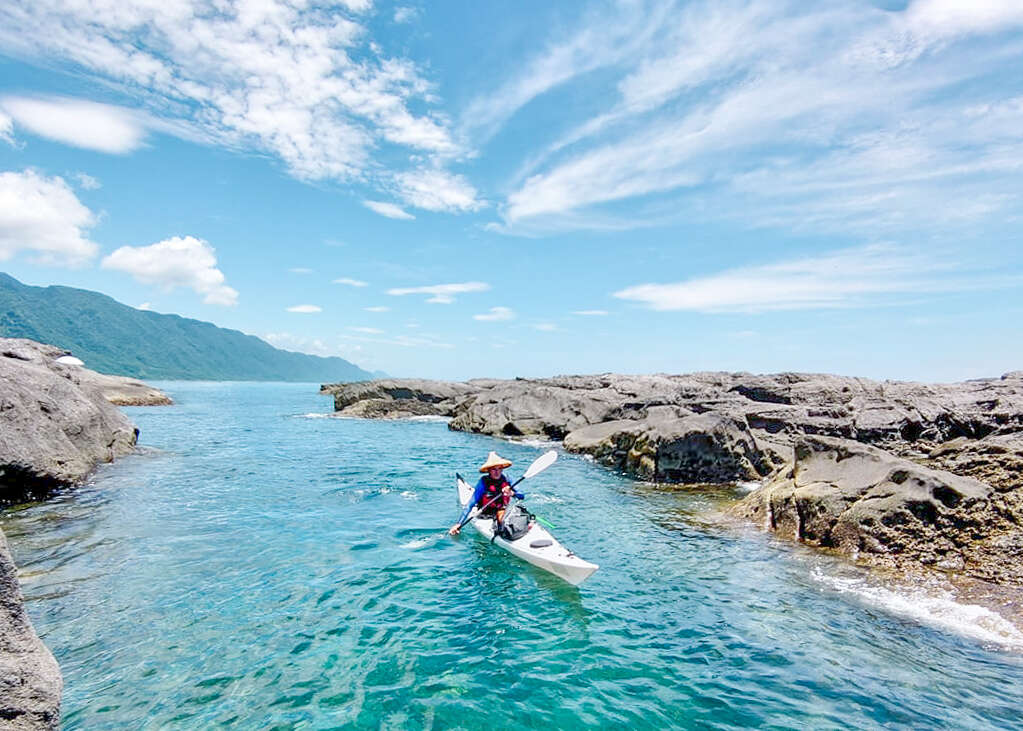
(111, 337)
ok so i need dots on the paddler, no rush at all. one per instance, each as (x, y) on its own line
(493, 492)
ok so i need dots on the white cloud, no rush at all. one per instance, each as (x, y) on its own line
(350, 282)
(945, 18)
(405, 14)
(304, 81)
(305, 309)
(390, 210)
(591, 313)
(496, 314)
(728, 107)
(545, 327)
(145, 307)
(437, 190)
(176, 262)
(300, 270)
(6, 128)
(43, 215)
(87, 182)
(78, 123)
(377, 308)
(857, 277)
(367, 330)
(441, 293)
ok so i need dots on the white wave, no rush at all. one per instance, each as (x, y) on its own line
(316, 416)
(536, 443)
(748, 487)
(536, 497)
(931, 606)
(418, 543)
(427, 418)
(409, 495)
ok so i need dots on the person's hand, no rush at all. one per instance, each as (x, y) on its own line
(454, 530)
(507, 490)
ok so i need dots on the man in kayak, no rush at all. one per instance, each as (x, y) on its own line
(492, 494)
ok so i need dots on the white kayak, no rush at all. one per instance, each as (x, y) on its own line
(537, 546)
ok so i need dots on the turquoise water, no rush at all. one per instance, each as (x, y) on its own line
(260, 566)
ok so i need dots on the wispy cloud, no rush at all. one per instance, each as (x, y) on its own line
(43, 216)
(87, 182)
(759, 111)
(437, 190)
(350, 282)
(176, 262)
(405, 14)
(300, 270)
(857, 277)
(367, 330)
(443, 294)
(6, 128)
(591, 313)
(377, 308)
(389, 210)
(496, 314)
(305, 309)
(304, 83)
(78, 123)
(545, 327)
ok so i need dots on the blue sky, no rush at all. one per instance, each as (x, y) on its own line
(459, 190)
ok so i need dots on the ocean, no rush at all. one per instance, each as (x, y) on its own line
(263, 564)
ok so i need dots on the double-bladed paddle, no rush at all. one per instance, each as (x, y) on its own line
(539, 465)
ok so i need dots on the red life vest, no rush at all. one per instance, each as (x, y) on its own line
(493, 499)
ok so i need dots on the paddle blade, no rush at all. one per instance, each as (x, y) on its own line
(540, 464)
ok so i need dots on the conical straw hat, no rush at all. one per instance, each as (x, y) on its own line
(494, 461)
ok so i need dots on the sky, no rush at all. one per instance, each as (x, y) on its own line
(461, 189)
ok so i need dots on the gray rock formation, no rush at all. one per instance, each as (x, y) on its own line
(30, 681)
(930, 473)
(869, 504)
(57, 421)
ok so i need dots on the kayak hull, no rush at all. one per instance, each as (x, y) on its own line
(552, 557)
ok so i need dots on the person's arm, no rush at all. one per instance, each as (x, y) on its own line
(476, 495)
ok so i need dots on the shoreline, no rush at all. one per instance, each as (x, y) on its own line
(911, 477)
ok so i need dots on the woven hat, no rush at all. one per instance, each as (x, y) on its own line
(494, 461)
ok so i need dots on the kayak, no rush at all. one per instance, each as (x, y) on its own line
(537, 546)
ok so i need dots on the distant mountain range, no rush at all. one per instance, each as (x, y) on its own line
(115, 338)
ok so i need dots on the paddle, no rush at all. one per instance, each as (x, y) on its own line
(539, 465)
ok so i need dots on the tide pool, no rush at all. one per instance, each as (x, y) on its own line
(262, 564)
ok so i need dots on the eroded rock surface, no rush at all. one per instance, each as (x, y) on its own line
(900, 473)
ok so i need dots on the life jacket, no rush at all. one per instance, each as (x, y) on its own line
(492, 494)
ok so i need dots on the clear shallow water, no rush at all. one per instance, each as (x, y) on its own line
(257, 567)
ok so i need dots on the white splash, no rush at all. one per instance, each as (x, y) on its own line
(409, 495)
(418, 543)
(427, 418)
(748, 487)
(930, 606)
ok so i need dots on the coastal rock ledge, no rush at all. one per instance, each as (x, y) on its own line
(57, 422)
(895, 473)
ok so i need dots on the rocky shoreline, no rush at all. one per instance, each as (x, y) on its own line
(894, 474)
(58, 420)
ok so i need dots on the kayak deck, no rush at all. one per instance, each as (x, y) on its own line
(537, 546)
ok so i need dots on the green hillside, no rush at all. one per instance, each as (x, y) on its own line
(114, 338)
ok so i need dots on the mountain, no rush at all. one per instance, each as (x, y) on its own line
(115, 338)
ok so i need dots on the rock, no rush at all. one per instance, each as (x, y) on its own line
(55, 423)
(401, 393)
(929, 473)
(30, 680)
(696, 448)
(869, 504)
